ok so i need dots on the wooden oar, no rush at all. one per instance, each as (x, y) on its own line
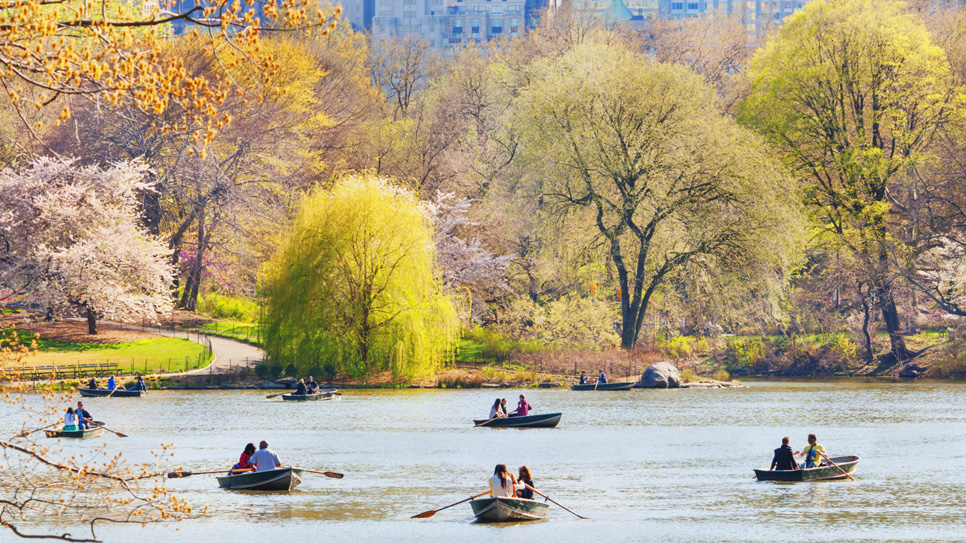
(180, 474)
(487, 422)
(270, 396)
(332, 474)
(552, 500)
(100, 424)
(427, 514)
(28, 432)
(836, 466)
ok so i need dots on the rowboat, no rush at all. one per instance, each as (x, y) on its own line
(282, 479)
(508, 509)
(546, 420)
(821, 473)
(101, 392)
(81, 434)
(604, 386)
(329, 394)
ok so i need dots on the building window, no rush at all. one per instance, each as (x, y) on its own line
(496, 10)
(514, 26)
(474, 28)
(693, 6)
(496, 27)
(677, 5)
(409, 14)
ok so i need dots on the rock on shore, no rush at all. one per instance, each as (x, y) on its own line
(661, 375)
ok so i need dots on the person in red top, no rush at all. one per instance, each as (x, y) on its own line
(243, 462)
(523, 407)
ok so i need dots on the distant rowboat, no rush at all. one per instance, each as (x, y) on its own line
(329, 394)
(79, 434)
(821, 473)
(546, 420)
(604, 386)
(508, 509)
(279, 480)
(102, 392)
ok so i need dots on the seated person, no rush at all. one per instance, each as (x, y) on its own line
(243, 461)
(70, 420)
(813, 453)
(92, 384)
(525, 478)
(300, 389)
(583, 377)
(311, 387)
(523, 407)
(140, 385)
(784, 458)
(496, 412)
(602, 379)
(502, 484)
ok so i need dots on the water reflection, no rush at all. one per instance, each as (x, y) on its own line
(643, 465)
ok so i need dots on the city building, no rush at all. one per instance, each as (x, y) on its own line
(756, 15)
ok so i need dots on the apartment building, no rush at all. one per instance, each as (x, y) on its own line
(756, 15)
(482, 20)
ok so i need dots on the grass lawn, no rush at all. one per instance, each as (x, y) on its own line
(142, 355)
(244, 331)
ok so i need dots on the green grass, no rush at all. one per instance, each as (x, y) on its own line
(234, 330)
(143, 355)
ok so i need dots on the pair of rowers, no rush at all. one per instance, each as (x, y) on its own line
(784, 458)
(498, 410)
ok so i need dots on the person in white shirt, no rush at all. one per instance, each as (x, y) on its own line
(265, 459)
(70, 420)
(502, 484)
(496, 412)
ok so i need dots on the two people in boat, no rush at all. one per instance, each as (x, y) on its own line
(77, 419)
(601, 379)
(504, 485)
(264, 459)
(784, 458)
(498, 409)
(112, 384)
(303, 387)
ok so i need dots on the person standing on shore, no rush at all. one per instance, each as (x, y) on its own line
(784, 458)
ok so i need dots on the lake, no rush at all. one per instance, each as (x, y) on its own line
(644, 465)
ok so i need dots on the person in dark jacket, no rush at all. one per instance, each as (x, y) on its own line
(92, 384)
(784, 457)
(300, 389)
(523, 480)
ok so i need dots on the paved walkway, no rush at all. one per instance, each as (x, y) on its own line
(229, 354)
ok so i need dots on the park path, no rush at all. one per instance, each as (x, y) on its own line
(230, 355)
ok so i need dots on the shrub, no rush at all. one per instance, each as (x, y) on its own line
(316, 372)
(261, 370)
(228, 307)
(291, 371)
(747, 353)
(275, 370)
(722, 375)
(688, 375)
(329, 371)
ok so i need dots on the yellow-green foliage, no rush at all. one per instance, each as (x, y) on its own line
(687, 375)
(747, 353)
(227, 307)
(847, 349)
(722, 375)
(679, 347)
(355, 282)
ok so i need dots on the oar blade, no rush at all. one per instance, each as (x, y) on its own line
(424, 514)
(333, 474)
(178, 474)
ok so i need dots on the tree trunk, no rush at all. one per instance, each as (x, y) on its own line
(189, 297)
(91, 321)
(869, 355)
(890, 314)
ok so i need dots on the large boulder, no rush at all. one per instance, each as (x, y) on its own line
(661, 375)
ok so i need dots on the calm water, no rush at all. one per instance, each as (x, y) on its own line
(662, 466)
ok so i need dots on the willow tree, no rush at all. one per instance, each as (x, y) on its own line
(640, 154)
(853, 91)
(356, 283)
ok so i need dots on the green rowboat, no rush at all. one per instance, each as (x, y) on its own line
(79, 434)
(330, 394)
(279, 480)
(821, 473)
(508, 509)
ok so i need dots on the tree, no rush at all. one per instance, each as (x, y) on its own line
(853, 92)
(70, 237)
(639, 154)
(355, 282)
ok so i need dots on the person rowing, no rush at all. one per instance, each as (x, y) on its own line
(813, 453)
(784, 458)
(84, 418)
(311, 387)
(602, 379)
(265, 459)
(112, 384)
